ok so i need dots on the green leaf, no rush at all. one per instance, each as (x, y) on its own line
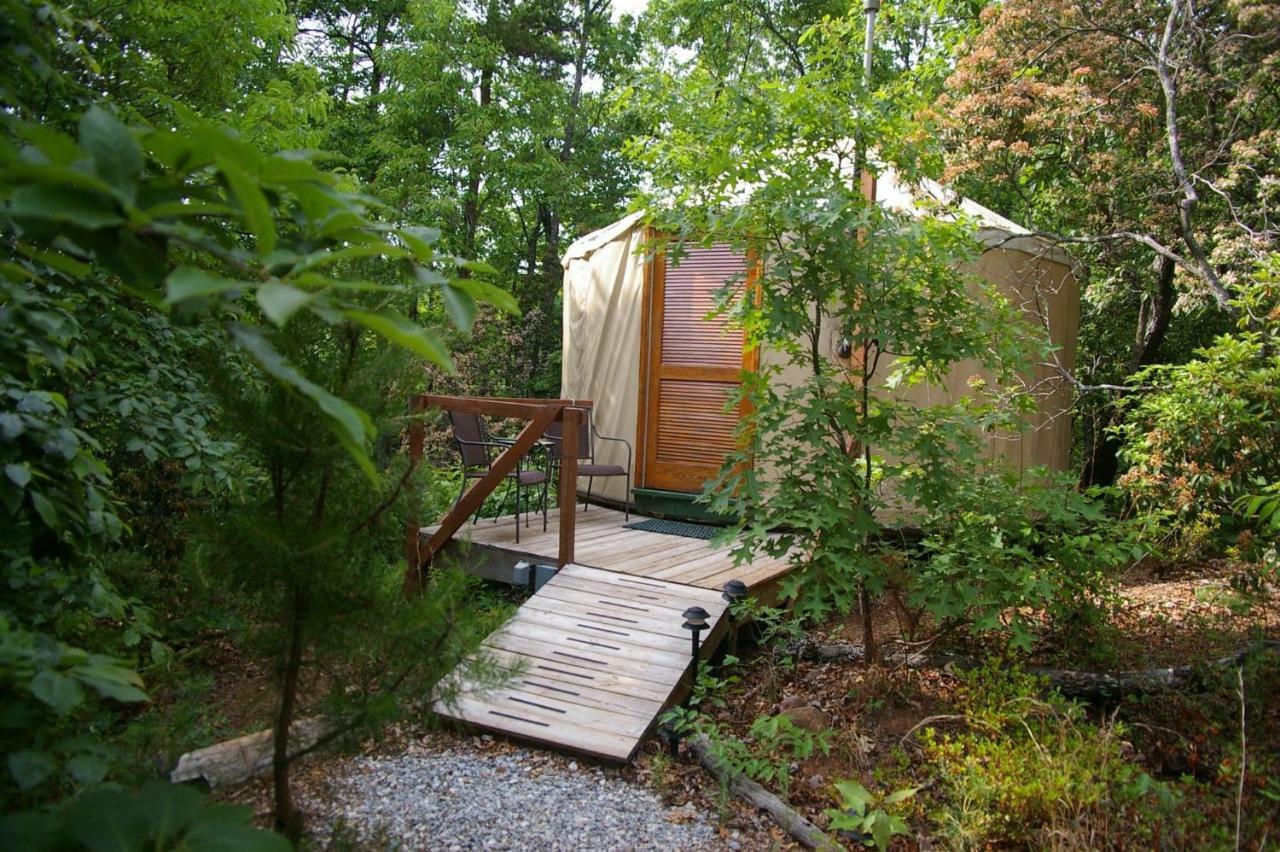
(171, 808)
(460, 305)
(60, 692)
(350, 425)
(109, 821)
(18, 474)
(114, 150)
(45, 510)
(226, 828)
(483, 291)
(421, 241)
(900, 795)
(110, 679)
(854, 794)
(405, 333)
(881, 831)
(87, 768)
(319, 259)
(29, 768)
(478, 266)
(63, 204)
(253, 204)
(280, 301)
(189, 282)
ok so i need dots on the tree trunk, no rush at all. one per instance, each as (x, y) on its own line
(1102, 460)
(288, 821)
(805, 832)
(471, 201)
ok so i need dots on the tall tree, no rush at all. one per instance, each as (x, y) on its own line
(1142, 134)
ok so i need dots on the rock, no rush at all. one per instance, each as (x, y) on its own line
(790, 702)
(808, 717)
(816, 781)
(457, 799)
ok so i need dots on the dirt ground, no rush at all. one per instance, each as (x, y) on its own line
(1166, 616)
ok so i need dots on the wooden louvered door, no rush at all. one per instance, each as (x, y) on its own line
(691, 365)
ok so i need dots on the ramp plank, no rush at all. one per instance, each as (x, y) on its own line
(597, 656)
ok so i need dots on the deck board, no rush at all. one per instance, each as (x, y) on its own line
(599, 650)
(602, 541)
(577, 687)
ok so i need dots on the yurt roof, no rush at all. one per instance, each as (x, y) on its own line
(994, 230)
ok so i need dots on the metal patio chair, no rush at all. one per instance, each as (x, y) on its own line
(587, 465)
(476, 451)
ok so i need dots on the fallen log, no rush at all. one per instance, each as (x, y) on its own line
(1071, 683)
(805, 832)
(237, 760)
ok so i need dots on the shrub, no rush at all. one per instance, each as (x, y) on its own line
(1035, 772)
(1000, 549)
(1210, 430)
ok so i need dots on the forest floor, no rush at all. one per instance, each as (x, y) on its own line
(876, 715)
(389, 791)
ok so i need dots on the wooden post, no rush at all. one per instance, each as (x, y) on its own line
(572, 421)
(498, 470)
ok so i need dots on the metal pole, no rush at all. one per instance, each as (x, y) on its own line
(871, 7)
(861, 151)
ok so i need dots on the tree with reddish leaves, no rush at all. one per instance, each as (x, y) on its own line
(1145, 137)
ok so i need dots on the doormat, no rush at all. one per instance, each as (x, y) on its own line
(680, 528)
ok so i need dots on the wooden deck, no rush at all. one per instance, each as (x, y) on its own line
(603, 542)
(598, 652)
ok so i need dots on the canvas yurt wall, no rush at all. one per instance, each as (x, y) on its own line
(617, 352)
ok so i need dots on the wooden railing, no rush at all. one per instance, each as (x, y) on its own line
(540, 413)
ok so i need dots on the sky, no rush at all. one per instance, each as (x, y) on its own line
(628, 7)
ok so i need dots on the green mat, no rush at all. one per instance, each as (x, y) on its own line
(680, 528)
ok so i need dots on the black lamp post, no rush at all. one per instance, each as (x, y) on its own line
(734, 591)
(695, 621)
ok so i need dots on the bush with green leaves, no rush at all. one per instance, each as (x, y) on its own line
(158, 816)
(1003, 550)
(1206, 432)
(864, 817)
(296, 288)
(1032, 771)
(773, 744)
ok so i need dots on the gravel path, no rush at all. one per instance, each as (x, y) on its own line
(463, 799)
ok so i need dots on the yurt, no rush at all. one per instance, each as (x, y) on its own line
(639, 344)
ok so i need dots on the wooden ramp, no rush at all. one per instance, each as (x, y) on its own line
(597, 656)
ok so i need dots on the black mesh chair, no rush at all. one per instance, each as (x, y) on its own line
(476, 451)
(587, 466)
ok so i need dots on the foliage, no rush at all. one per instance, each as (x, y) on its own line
(767, 166)
(487, 119)
(1208, 431)
(58, 513)
(1064, 116)
(158, 816)
(775, 742)
(862, 815)
(1003, 548)
(125, 223)
(1029, 770)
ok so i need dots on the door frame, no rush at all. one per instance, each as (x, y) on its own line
(651, 315)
